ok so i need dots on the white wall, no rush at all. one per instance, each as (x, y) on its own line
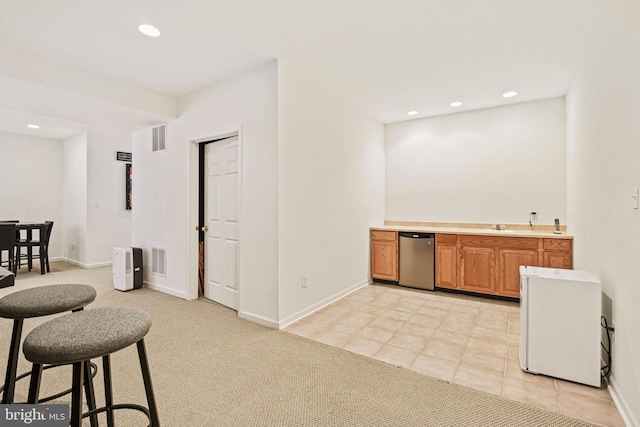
(493, 165)
(52, 180)
(603, 143)
(93, 183)
(108, 221)
(74, 198)
(165, 201)
(32, 183)
(331, 190)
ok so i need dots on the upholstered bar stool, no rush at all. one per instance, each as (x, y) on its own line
(76, 338)
(37, 302)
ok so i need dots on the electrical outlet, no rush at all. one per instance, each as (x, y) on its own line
(305, 280)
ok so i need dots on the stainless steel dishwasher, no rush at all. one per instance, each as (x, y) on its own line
(417, 259)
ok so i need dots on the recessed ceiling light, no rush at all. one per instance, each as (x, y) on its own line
(33, 126)
(413, 112)
(149, 30)
(509, 94)
(456, 104)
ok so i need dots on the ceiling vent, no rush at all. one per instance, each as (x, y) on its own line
(159, 138)
(159, 261)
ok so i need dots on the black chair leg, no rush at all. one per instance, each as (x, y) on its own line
(76, 395)
(29, 258)
(146, 376)
(34, 384)
(13, 265)
(12, 363)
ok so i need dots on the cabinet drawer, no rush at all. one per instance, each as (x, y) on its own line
(499, 242)
(384, 235)
(481, 241)
(557, 244)
(518, 243)
(446, 239)
(478, 241)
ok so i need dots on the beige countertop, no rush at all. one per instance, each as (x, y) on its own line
(512, 230)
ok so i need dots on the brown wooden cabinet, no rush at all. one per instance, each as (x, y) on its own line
(491, 264)
(486, 264)
(557, 253)
(477, 269)
(384, 255)
(446, 261)
(509, 262)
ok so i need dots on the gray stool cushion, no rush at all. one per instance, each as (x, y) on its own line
(45, 300)
(85, 334)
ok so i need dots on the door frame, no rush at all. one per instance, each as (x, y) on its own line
(194, 210)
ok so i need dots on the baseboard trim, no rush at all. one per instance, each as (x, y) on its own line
(80, 264)
(165, 290)
(269, 323)
(321, 304)
(623, 407)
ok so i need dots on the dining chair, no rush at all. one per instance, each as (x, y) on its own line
(43, 248)
(9, 221)
(8, 243)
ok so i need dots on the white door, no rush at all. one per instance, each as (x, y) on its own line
(221, 213)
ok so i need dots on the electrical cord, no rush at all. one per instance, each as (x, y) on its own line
(606, 369)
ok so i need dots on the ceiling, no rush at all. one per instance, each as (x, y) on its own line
(74, 64)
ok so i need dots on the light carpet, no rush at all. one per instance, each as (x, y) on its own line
(211, 368)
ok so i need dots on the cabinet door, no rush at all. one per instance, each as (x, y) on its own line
(384, 260)
(557, 259)
(509, 262)
(446, 266)
(558, 253)
(477, 267)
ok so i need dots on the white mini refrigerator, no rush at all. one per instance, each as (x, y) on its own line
(560, 324)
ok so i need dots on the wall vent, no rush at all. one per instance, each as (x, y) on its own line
(159, 261)
(159, 138)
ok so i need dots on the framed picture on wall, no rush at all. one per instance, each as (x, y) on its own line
(128, 186)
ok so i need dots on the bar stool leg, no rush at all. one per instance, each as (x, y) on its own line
(108, 391)
(146, 376)
(76, 395)
(12, 363)
(89, 392)
(34, 384)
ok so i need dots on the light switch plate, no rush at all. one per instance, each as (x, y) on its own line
(634, 198)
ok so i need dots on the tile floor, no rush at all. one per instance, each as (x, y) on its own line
(467, 340)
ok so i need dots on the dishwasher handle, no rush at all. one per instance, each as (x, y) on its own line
(410, 235)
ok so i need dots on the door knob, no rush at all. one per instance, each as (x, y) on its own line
(205, 229)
